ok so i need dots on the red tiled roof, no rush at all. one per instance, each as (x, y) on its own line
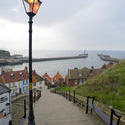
(57, 77)
(107, 66)
(14, 76)
(46, 76)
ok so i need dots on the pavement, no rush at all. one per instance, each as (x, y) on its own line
(53, 109)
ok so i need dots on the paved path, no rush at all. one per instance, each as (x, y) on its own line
(53, 109)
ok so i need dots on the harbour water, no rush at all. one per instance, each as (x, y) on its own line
(62, 66)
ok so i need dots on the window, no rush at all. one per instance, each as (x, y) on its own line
(21, 74)
(12, 76)
(27, 88)
(23, 88)
(9, 85)
(23, 82)
(13, 84)
(3, 99)
(75, 82)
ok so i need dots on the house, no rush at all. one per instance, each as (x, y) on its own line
(37, 81)
(107, 66)
(47, 81)
(58, 79)
(77, 76)
(17, 81)
(5, 105)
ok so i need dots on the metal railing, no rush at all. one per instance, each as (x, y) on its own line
(108, 120)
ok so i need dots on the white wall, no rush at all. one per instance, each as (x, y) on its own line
(14, 89)
(7, 109)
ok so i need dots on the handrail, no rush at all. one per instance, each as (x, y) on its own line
(74, 99)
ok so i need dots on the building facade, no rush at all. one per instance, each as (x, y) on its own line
(5, 106)
(17, 81)
(58, 80)
(47, 83)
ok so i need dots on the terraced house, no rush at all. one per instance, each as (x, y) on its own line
(58, 79)
(17, 81)
(77, 76)
(48, 82)
(37, 81)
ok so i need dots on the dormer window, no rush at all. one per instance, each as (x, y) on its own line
(21, 74)
(12, 75)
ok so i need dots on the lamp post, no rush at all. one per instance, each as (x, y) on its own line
(31, 8)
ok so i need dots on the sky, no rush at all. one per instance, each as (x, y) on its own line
(64, 25)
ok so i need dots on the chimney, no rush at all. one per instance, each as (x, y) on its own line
(26, 69)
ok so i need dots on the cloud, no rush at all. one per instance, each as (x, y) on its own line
(89, 24)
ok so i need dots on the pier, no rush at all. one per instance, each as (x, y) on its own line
(108, 58)
(56, 58)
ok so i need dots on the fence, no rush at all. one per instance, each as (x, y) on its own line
(36, 97)
(108, 120)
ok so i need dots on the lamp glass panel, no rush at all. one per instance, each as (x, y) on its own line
(32, 5)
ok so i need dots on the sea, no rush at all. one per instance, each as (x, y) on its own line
(62, 66)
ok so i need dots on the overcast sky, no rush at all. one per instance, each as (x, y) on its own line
(65, 25)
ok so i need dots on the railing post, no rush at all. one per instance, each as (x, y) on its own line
(74, 97)
(87, 105)
(93, 99)
(24, 109)
(118, 120)
(111, 117)
(69, 95)
(34, 97)
(66, 94)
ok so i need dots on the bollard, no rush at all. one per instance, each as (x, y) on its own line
(24, 109)
(69, 95)
(74, 100)
(87, 105)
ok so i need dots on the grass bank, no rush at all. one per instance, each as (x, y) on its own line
(109, 87)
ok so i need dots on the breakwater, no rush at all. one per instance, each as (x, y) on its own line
(108, 58)
(55, 58)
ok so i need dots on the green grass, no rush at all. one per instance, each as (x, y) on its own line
(109, 87)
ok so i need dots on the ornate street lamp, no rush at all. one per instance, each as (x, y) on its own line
(31, 8)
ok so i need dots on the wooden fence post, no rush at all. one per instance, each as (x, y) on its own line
(87, 105)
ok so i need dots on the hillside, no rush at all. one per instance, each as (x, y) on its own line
(109, 87)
